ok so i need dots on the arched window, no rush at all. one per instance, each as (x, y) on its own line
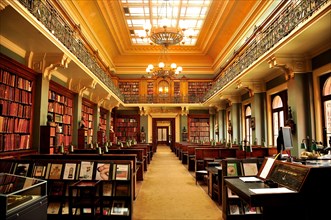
(278, 106)
(248, 127)
(326, 100)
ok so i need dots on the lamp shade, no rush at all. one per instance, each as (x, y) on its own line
(161, 65)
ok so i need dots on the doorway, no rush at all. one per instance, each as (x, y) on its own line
(163, 129)
(162, 135)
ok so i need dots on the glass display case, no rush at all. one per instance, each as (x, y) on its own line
(20, 196)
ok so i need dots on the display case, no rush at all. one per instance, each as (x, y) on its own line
(22, 197)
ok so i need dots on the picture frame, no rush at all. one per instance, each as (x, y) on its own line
(234, 209)
(248, 209)
(250, 169)
(118, 208)
(107, 189)
(122, 172)
(69, 171)
(22, 169)
(86, 170)
(55, 171)
(103, 171)
(39, 171)
(232, 169)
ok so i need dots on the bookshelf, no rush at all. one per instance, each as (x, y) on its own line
(197, 90)
(87, 113)
(60, 107)
(176, 88)
(127, 127)
(198, 128)
(150, 91)
(101, 134)
(130, 90)
(17, 89)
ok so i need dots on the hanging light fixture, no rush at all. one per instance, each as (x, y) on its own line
(164, 33)
(164, 70)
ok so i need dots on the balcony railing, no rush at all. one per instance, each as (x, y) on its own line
(150, 99)
(283, 24)
(261, 41)
(55, 24)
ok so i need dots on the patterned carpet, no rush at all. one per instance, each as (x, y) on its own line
(168, 191)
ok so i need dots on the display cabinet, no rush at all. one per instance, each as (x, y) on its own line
(22, 197)
(105, 184)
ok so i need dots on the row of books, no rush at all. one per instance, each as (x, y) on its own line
(65, 139)
(199, 133)
(9, 79)
(60, 98)
(15, 94)
(131, 120)
(199, 124)
(129, 125)
(59, 108)
(88, 116)
(87, 170)
(87, 110)
(15, 109)
(11, 142)
(14, 125)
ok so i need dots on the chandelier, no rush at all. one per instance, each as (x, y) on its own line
(163, 70)
(165, 33)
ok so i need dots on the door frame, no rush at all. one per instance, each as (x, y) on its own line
(172, 131)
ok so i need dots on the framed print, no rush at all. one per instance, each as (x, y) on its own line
(22, 169)
(39, 171)
(69, 171)
(118, 208)
(55, 171)
(103, 171)
(107, 189)
(122, 172)
(248, 209)
(250, 169)
(232, 169)
(86, 170)
(234, 209)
